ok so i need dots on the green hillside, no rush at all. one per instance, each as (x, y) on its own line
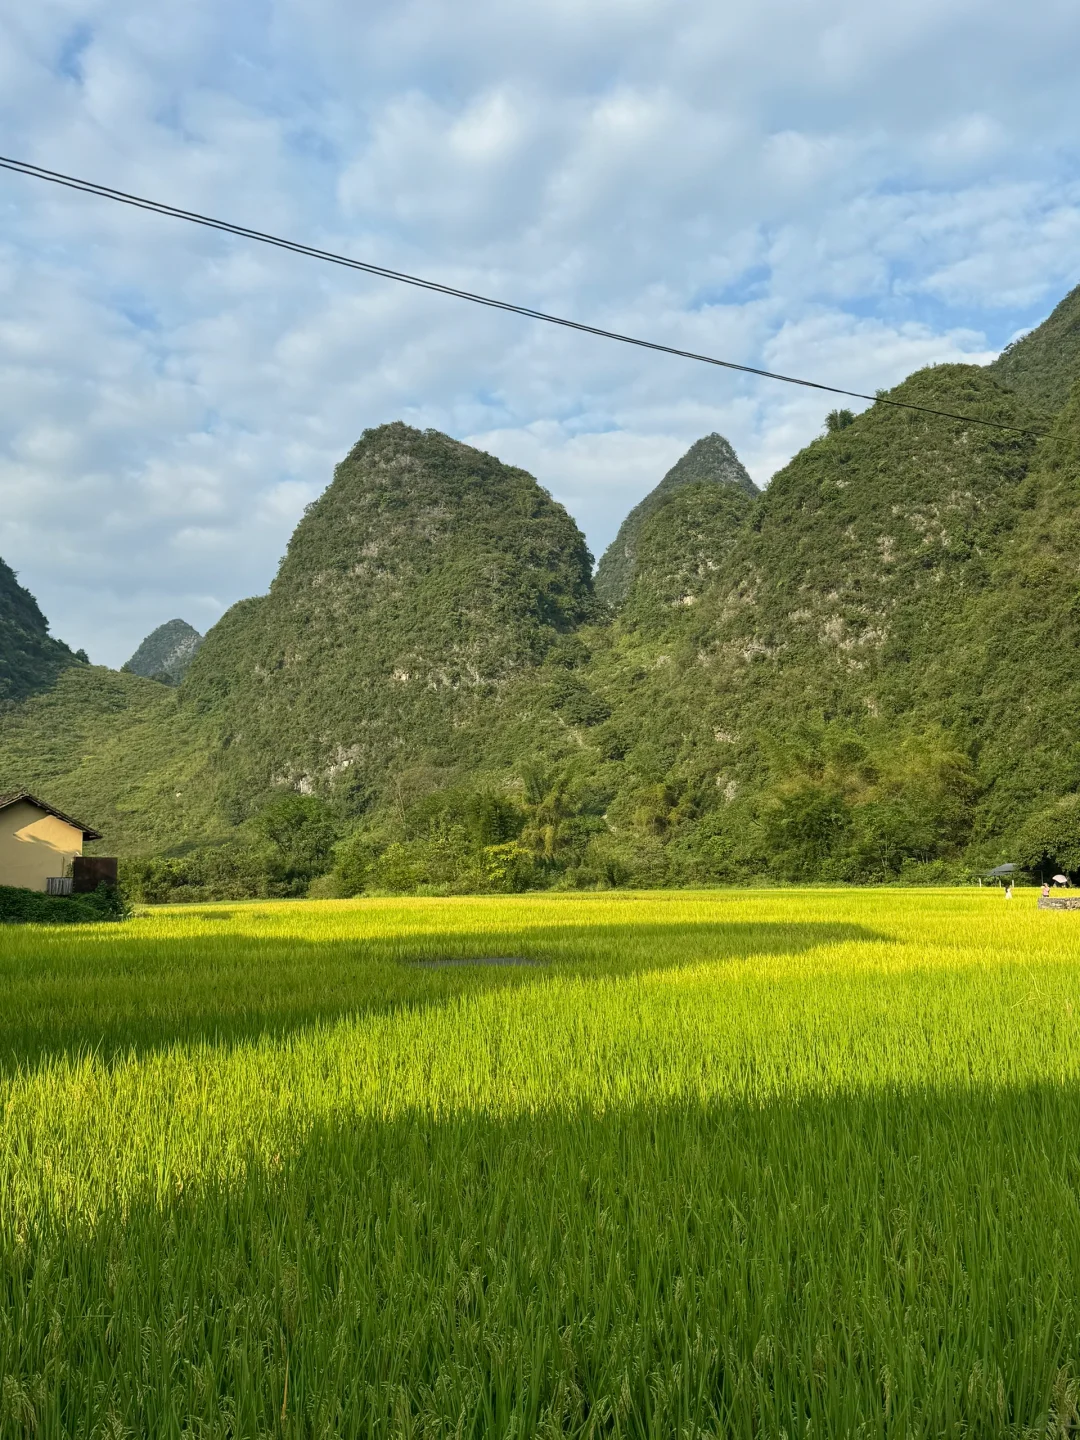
(1044, 365)
(710, 460)
(119, 752)
(680, 547)
(866, 672)
(420, 583)
(863, 543)
(803, 718)
(30, 659)
(1016, 664)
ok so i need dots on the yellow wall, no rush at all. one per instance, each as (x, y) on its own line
(34, 845)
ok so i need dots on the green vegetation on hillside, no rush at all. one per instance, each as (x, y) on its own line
(865, 673)
(710, 460)
(679, 548)
(30, 659)
(122, 754)
(697, 1165)
(1013, 675)
(1044, 365)
(793, 720)
(413, 591)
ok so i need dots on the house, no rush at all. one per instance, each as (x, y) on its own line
(37, 841)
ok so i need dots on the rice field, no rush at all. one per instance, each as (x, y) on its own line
(790, 1163)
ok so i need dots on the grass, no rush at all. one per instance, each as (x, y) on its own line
(788, 1163)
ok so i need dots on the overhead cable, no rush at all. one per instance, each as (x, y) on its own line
(159, 207)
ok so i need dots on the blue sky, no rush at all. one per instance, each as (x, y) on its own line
(833, 189)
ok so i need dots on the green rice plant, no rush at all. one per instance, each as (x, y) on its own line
(697, 1164)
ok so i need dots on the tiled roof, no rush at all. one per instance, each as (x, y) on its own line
(13, 796)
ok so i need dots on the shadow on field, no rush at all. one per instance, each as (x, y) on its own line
(136, 992)
(854, 1264)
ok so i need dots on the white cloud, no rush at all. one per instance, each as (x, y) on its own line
(838, 190)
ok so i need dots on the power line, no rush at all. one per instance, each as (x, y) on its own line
(158, 207)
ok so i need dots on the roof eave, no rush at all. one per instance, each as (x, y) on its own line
(88, 831)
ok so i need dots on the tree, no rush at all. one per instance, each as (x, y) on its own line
(806, 826)
(838, 420)
(1050, 839)
(302, 830)
(548, 810)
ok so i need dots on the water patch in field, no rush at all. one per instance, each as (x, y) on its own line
(444, 962)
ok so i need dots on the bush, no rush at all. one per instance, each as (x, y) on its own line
(354, 861)
(451, 863)
(623, 861)
(289, 845)
(219, 872)
(931, 872)
(301, 831)
(454, 841)
(31, 907)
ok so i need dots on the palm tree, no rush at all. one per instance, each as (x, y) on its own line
(548, 807)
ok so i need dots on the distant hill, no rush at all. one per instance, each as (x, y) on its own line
(710, 460)
(866, 672)
(681, 545)
(166, 652)
(123, 754)
(1044, 365)
(420, 583)
(30, 659)
(823, 676)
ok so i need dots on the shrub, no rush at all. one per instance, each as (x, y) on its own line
(31, 907)
(217, 872)
(623, 861)
(302, 831)
(450, 862)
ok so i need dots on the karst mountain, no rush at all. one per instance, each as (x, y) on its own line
(865, 671)
(709, 463)
(30, 659)
(166, 652)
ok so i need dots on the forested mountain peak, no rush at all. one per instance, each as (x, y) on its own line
(404, 503)
(710, 460)
(421, 580)
(823, 707)
(30, 659)
(680, 549)
(1044, 365)
(166, 652)
(864, 540)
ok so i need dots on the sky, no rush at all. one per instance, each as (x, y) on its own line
(832, 189)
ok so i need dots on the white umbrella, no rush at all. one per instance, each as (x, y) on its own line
(1061, 879)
